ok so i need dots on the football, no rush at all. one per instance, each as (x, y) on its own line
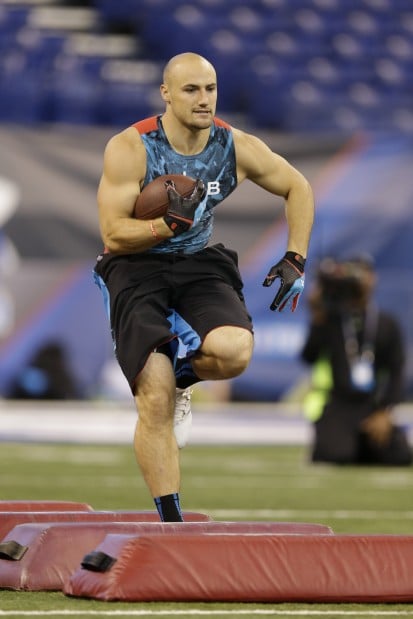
(152, 202)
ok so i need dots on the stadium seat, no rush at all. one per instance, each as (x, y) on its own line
(12, 18)
(21, 99)
(75, 91)
(130, 91)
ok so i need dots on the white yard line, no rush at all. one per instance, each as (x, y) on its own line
(206, 613)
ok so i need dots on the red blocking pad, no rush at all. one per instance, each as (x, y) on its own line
(43, 506)
(8, 520)
(53, 551)
(250, 568)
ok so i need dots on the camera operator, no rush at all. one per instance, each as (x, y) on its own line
(358, 358)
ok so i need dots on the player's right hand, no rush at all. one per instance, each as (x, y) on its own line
(181, 211)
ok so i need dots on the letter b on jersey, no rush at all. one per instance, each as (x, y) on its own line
(213, 188)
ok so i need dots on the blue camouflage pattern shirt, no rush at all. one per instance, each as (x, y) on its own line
(215, 165)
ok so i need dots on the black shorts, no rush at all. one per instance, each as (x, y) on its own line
(205, 288)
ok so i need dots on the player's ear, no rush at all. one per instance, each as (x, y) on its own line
(165, 93)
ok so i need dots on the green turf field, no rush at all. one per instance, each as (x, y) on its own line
(229, 483)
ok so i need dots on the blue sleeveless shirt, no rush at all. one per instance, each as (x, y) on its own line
(215, 165)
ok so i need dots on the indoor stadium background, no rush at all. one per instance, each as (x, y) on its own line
(326, 83)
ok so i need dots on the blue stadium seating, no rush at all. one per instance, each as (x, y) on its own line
(295, 65)
(130, 91)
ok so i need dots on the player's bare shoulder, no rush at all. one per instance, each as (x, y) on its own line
(125, 154)
(251, 153)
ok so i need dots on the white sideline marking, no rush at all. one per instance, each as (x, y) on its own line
(208, 613)
(111, 423)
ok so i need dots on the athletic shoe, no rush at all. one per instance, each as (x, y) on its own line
(182, 416)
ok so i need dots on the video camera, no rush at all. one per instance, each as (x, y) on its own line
(343, 283)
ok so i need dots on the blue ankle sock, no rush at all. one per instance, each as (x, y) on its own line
(184, 374)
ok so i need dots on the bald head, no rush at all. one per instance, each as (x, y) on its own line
(187, 64)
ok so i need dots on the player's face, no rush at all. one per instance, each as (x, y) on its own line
(192, 96)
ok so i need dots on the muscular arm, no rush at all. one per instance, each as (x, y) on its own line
(273, 173)
(123, 172)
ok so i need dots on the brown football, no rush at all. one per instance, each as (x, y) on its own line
(152, 202)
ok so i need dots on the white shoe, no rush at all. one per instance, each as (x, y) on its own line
(182, 416)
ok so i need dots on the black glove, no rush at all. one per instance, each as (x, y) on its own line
(181, 211)
(290, 270)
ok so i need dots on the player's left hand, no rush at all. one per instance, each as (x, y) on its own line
(290, 270)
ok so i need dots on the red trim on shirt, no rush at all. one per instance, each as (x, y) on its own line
(151, 124)
(221, 123)
(146, 125)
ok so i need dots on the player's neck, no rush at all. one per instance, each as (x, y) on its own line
(184, 140)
